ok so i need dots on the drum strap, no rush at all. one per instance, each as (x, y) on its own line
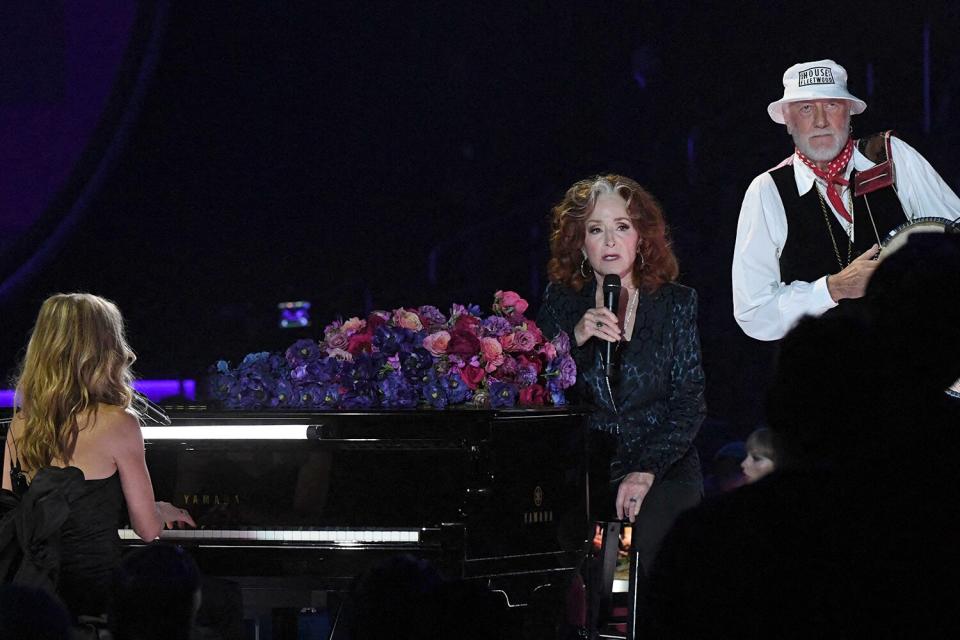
(876, 148)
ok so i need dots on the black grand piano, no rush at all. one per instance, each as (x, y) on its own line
(293, 505)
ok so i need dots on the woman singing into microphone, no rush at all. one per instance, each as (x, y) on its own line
(645, 417)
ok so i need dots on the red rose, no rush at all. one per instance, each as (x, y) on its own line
(463, 343)
(360, 342)
(533, 395)
(373, 321)
(468, 324)
(472, 376)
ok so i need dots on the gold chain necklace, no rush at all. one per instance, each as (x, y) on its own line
(826, 218)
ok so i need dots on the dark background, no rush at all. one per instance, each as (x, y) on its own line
(367, 155)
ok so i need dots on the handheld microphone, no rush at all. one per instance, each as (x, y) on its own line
(611, 300)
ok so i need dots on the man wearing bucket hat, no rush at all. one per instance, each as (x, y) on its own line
(838, 197)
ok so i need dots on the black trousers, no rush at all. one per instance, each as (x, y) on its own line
(666, 500)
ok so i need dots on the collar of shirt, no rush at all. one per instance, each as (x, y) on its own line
(805, 177)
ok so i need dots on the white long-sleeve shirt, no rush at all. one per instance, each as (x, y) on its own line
(767, 308)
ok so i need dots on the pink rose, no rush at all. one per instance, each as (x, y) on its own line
(492, 353)
(508, 342)
(336, 340)
(535, 330)
(549, 350)
(436, 343)
(407, 319)
(525, 341)
(472, 376)
(353, 325)
(340, 354)
(509, 302)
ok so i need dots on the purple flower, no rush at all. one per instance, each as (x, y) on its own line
(434, 393)
(455, 388)
(359, 398)
(310, 395)
(392, 340)
(416, 363)
(332, 395)
(496, 326)
(457, 310)
(557, 397)
(568, 372)
(526, 375)
(562, 343)
(502, 394)
(431, 316)
(396, 391)
(301, 352)
(283, 395)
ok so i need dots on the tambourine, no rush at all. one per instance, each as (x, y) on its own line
(898, 236)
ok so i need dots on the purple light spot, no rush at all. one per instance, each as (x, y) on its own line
(156, 390)
(869, 79)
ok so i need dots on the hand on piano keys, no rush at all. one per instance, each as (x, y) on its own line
(173, 516)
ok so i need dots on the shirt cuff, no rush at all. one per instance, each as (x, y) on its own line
(821, 296)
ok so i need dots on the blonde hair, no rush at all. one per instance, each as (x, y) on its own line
(77, 357)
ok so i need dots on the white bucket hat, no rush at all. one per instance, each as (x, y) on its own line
(817, 80)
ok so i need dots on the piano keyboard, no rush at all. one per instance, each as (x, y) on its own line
(338, 536)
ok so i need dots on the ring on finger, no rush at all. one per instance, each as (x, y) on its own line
(599, 324)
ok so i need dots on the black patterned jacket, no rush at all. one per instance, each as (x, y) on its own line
(660, 396)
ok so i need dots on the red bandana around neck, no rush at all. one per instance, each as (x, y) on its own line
(833, 176)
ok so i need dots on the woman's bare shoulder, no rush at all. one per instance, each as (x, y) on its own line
(16, 425)
(113, 419)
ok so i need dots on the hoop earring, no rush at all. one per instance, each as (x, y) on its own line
(643, 261)
(583, 270)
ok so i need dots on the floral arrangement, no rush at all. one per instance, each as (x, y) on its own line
(408, 358)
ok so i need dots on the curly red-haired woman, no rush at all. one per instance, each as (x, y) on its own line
(646, 416)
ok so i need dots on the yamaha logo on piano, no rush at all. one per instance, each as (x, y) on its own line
(189, 499)
(537, 515)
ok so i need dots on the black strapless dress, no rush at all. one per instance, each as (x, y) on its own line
(90, 546)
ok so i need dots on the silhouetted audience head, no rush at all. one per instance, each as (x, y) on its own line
(760, 457)
(822, 401)
(913, 299)
(406, 598)
(31, 614)
(156, 594)
(846, 385)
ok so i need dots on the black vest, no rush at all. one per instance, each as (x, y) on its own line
(808, 253)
